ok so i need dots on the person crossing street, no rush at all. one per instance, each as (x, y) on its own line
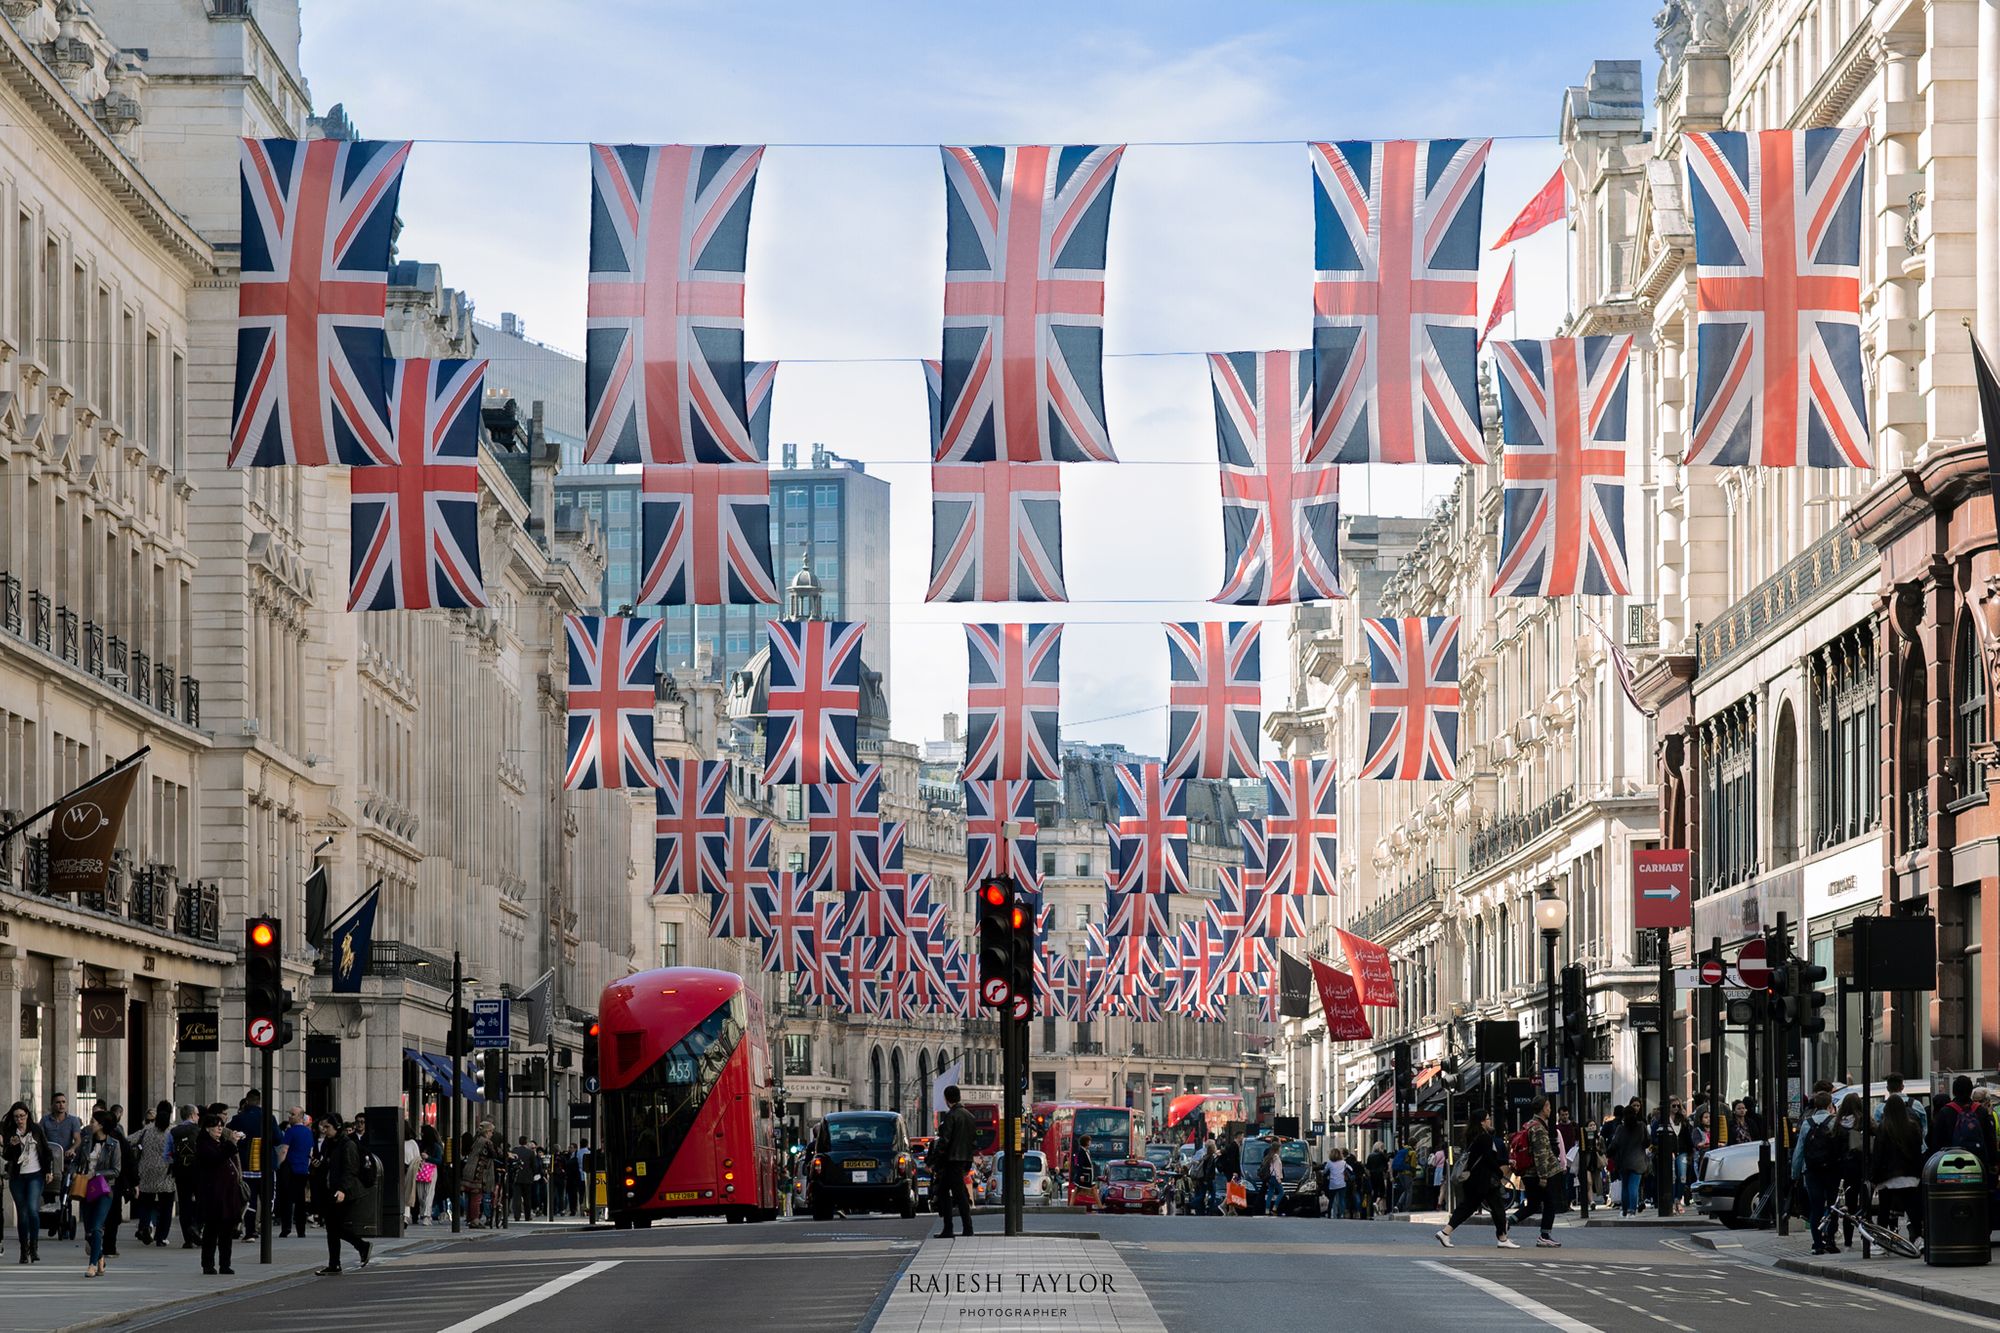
(952, 1154)
(1478, 1175)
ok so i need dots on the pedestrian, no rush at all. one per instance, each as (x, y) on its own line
(1965, 1123)
(1897, 1169)
(1817, 1160)
(97, 1166)
(180, 1151)
(155, 1210)
(1912, 1106)
(249, 1126)
(1476, 1180)
(479, 1175)
(1336, 1183)
(29, 1162)
(219, 1189)
(351, 1178)
(1440, 1166)
(431, 1148)
(527, 1170)
(1631, 1149)
(1274, 1180)
(1228, 1167)
(125, 1188)
(1546, 1169)
(1402, 1174)
(1378, 1174)
(412, 1163)
(1204, 1178)
(63, 1133)
(1680, 1142)
(294, 1167)
(951, 1158)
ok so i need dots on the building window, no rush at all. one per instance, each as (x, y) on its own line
(1968, 697)
(1048, 863)
(1728, 775)
(1845, 738)
(826, 497)
(1083, 866)
(795, 497)
(798, 1054)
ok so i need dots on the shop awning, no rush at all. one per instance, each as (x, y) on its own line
(1382, 1108)
(440, 1071)
(1361, 1094)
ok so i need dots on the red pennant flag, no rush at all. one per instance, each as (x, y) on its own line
(1503, 301)
(1371, 965)
(1341, 1003)
(1544, 208)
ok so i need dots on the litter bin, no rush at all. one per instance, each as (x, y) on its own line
(1956, 1228)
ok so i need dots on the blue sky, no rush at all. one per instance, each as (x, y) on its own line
(1210, 245)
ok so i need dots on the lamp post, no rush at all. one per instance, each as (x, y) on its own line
(1551, 914)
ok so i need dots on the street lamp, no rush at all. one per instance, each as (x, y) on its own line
(1551, 914)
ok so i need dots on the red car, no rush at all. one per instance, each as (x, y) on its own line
(1130, 1187)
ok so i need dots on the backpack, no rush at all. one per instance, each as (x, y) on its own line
(1824, 1147)
(1521, 1152)
(128, 1166)
(1965, 1130)
(369, 1171)
(182, 1143)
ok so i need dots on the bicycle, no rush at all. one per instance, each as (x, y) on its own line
(1887, 1238)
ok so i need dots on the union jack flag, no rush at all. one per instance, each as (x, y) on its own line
(1280, 513)
(996, 533)
(663, 377)
(1302, 826)
(1025, 236)
(414, 514)
(705, 535)
(1412, 699)
(1136, 914)
(1013, 697)
(1777, 252)
(813, 715)
(1149, 845)
(736, 874)
(873, 912)
(844, 824)
(823, 978)
(794, 918)
(318, 219)
(1562, 515)
(1056, 992)
(1396, 300)
(612, 664)
(865, 975)
(1214, 699)
(688, 807)
(989, 808)
(1270, 915)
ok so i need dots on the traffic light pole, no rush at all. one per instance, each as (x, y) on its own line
(1013, 1073)
(451, 1153)
(1666, 1157)
(270, 1168)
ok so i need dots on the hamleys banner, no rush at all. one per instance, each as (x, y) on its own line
(1341, 1002)
(1373, 971)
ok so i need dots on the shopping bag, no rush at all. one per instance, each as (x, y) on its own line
(1235, 1196)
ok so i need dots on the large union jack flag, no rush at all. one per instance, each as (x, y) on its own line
(663, 378)
(823, 978)
(1012, 699)
(414, 515)
(1149, 843)
(812, 719)
(1396, 300)
(705, 535)
(1214, 699)
(1562, 515)
(794, 920)
(989, 808)
(1136, 914)
(736, 876)
(318, 219)
(1777, 253)
(996, 533)
(1301, 826)
(1023, 372)
(1412, 699)
(613, 661)
(844, 833)
(1280, 514)
(689, 806)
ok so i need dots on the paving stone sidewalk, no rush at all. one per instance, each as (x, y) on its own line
(1974, 1290)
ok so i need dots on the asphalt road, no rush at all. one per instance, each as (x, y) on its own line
(1201, 1275)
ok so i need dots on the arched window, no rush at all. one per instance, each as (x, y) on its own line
(1785, 788)
(1913, 753)
(895, 1102)
(1968, 699)
(875, 1078)
(923, 1088)
(1505, 977)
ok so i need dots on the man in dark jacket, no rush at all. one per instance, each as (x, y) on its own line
(953, 1153)
(345, 1195)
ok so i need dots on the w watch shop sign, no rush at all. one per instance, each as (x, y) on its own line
(1662, 896)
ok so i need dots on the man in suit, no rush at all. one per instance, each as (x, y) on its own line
(953, 1158)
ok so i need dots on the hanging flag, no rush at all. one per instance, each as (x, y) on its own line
(844, 833)
(1149, 843)
(539, 1002)
(813, 716)
(1280, 514)
(1340, 1002)
(1562, 507)
(689, 805)
(1022, 372)
(950, 1076)
(1548, 205)
(736, 876)
(1294, 987)
(414, 512)
(989, 808)
(1989, 416)
(1412, 699)
(319, 218)
(1302, 826)
(85, 826)
(1371, 967)
(793, 920)
(1396, 301)
(823, 978)
(996, 533)
(1013, 698)
(349, 942)
(613, 663)
(663, 370)
(1136, 914)
(1215, 697)
(1777, 253)
(1621, 665)
(1503, 301)
(705, 535)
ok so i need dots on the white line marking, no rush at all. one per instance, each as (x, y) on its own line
(1525, 1304)
(528, 1298)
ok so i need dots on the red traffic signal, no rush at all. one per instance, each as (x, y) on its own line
(994, 891)
(261, 935)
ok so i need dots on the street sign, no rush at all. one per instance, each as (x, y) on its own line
(580, 1115)
(489, 1024)
(591, 1085)
(1713, 973)
(1661, 895)
(1552, 1082)
(1597, 1076)
(1752, 966)
(263, 1032)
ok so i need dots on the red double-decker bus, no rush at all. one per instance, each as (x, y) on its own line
(685, 1098)
(1193, 1116)
(1116, 1132)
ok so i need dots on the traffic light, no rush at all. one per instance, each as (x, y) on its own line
(494, 1075)
(265, 999)
(1575, 1015)
(1406, 1083)
(996, 942)
(1021, 972)
(590, 1053)
(1809, 998)
(479, 1084)
(458, 1044)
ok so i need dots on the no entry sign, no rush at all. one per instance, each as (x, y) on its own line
(1752, 965)
(1661, 899)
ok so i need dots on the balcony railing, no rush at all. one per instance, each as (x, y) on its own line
(93, 648)
(1967, 775)
(1510, 833)
(10, 604)
(69, 645)
(1427, 889)
(151, 896)
(198, 910)
(61, 632)
(393, 958)
(141, 677)
(41, 620)
(1916, 819)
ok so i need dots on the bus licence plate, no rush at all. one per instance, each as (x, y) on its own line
(677, 1196)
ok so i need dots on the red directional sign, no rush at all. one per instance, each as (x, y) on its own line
(1713, 973)
(1752, 967)
(1662, 898)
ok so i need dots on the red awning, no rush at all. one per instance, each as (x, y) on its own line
(1377, 1111)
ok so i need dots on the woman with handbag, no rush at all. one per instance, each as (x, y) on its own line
(412, 1163)
(431, 1148)
(26, 1152)
(1477, 1178)
(218, 1192)
(99, 1161)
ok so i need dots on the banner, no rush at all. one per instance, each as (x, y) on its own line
(1341, 1003)
(85, 829)
(1372, 968)
(103, 1012)
(1294, 987)
(350, 942)
(946, 1077)
(540, 1017)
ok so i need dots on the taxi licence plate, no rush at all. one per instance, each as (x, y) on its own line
(677, 1196)
(862, 1163)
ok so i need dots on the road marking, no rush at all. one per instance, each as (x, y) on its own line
(554, 1287)
(1525, 1304)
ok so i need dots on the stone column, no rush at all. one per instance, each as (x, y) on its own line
(10, 1023)
(59, 1031)
(111, 1087)
(1987, 212)
(1901, 408)
(162, 1081)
